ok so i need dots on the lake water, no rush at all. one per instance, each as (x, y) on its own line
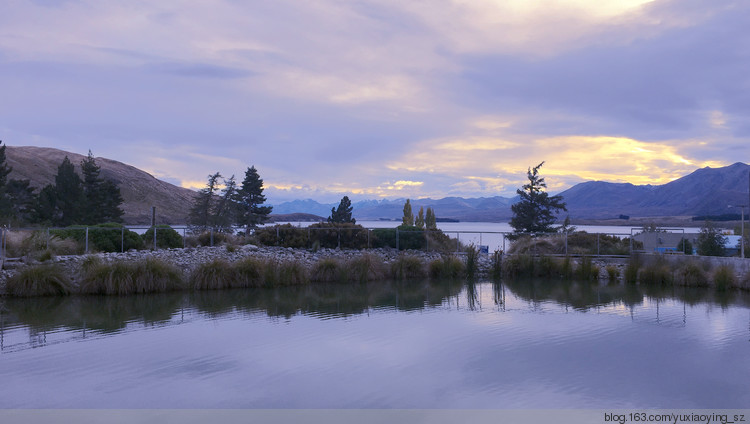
(523, 344)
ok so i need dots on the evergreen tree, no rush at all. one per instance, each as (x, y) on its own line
(250, 200)
(69, 195)
(343, 213)
(45, 208)
(430, 220)
(408, 218)
(710, 241)
(21, 198)
(101, 198)
(419, 221)
(226, 208)
(112, 200)
(6, 206)
(201, 213)
(534, 214)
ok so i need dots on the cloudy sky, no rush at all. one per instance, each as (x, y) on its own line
(382, 98)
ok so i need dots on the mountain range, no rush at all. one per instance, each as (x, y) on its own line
(706, 191)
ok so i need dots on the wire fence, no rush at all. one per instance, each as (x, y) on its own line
(17, 242)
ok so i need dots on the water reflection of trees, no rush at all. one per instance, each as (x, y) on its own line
(112, 313)
(327, 300)
(585, 295)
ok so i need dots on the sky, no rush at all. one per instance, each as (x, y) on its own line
(382, 98)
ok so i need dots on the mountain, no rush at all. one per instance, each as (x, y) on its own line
(705, 191)
(476, 209)
(140, 190)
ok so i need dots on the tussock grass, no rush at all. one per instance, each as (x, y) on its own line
(124, 277)
(407, 267)
(587, 270)
(214, 275)
(472, 259)
(326, 270)
(366, 267)
(631, 270)
(612, 273)
(248, 273)
(497, 264)
(39, 280)
(518, 266)
(691, 274)
(291, 273)
(448, 267)
(657, 272)
(724, 278)
(744, 283)
(547, 266)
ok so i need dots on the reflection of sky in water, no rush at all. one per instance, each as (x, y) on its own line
(520, 354)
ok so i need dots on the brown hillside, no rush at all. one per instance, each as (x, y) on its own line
(140, 190)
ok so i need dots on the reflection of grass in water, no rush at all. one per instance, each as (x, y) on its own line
(40, 280)
(103, 313)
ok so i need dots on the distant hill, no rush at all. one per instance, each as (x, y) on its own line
(140, 190)
(706, 191)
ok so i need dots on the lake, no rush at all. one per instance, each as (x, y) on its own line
(517, 344)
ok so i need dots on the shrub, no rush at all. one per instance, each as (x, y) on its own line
(547, 266)
(166, 238)
(407, 267)
(110, 237)
(248, 273)
(124, 277)
(339, 234)
(40, 280)
(285, 235)
(587, 270)
(724, 278)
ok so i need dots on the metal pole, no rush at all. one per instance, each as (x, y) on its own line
(212, 236)
(154, 227)
(122, 239)
(397, 239)
(597, 244)
(742, 237)
(87, 239)
(47, 238)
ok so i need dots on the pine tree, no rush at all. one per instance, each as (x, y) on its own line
(430, 220)
(343, 213)
(419, 221)
(534, 214)
(710, 241)
(45, 207)
(101, 198)
(226, 208)
(250, 200)
(6, 206)
(201, 213)
(408, 218)
(69, 195)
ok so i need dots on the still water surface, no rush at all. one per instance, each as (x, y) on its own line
(528, 344)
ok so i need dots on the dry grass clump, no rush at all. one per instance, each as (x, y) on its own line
(536, 246)
(287, 273)
(407, 267)
(448, 267)
(518, 266)
(657, 272)
(587, 270)
(123, 277)
(248, 273)
(40, 280)
(35, 243)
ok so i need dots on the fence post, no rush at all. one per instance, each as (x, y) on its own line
(154, 237)
(122, 240)
(338, 237)
(368, 238)
(458, 242)
(87, 240)
(397, 239)
(597, 244)
(212, 236)
(566, 243)
(277, 235)
(184, 236)
(47, 238)
(427, 239)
